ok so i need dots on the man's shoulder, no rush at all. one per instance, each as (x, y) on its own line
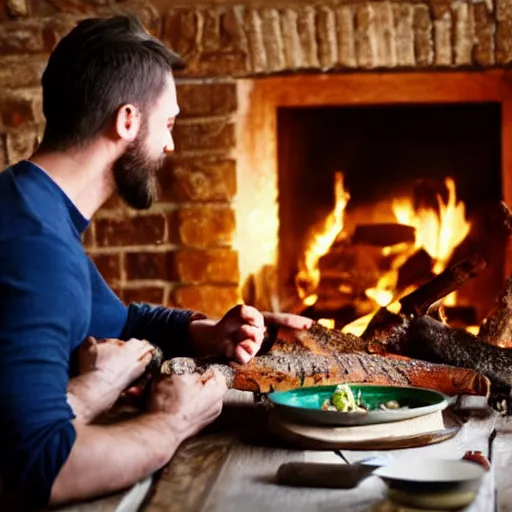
(16, 216)
(28, 203)
(34, 251)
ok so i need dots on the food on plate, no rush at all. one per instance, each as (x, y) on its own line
(344, 400)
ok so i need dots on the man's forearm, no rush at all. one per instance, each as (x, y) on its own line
(202, 335)
(105, 459)
(167, 328)
(89, 396)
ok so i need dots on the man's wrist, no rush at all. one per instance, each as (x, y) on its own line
(89, 395)
(202, 335)
(171, 426)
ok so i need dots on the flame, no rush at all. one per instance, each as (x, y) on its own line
(359, 325)
(319, 242)
(327, 322)
(384, 290)
(473, 329)
(438, 232)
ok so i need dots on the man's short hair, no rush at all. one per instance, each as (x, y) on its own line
(102, 64)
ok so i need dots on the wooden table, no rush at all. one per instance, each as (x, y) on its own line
(231, 467)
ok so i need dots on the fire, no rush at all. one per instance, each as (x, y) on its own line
(319, 242)
(384, 291)
(438, 232)
(358, 326)
(327, 322)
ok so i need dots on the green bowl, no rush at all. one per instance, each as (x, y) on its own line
(303, 405)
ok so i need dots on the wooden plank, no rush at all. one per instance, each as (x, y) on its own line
(220, 472)
(236, 475)
(187, 479)
(247, 482)
(185, 482)
(474, 435)
(129, 500)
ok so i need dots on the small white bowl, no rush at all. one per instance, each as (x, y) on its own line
(432, 483)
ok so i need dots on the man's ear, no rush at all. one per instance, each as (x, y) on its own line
(128, 121)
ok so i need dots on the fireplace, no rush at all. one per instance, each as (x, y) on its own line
(330, 162)
(254, 70)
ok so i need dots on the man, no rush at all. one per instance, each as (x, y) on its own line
(109, 100)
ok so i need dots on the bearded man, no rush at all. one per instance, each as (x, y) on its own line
(110, 103)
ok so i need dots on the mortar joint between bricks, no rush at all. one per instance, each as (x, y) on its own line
(205, 119)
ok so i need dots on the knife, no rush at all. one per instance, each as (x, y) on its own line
(315, 474)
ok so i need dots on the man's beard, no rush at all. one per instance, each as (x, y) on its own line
(135, 175)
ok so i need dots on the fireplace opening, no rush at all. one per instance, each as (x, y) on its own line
(375, 200)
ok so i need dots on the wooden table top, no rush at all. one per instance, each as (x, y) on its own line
(231, 467)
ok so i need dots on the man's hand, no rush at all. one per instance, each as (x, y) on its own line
(118, 363)
(240, 332)
(106, 368)
(188, 402)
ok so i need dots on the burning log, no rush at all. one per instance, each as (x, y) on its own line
(385, 326)
(430, 340)
(416, 270)
(417, 302)
(496, 329)
(315, 340)
(384, 235)
(283, 371)
(359, 265)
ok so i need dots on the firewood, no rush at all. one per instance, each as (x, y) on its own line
(315, 340)
(417, 302)
(383, 235)
(430, 340)
(416, 270)
(385, 323)
(354, 261)
(283, 371)
(496, 329)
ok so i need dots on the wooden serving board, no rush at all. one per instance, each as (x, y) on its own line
(421, 431)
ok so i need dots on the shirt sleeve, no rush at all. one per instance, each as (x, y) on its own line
(40, 312)
(166, 328)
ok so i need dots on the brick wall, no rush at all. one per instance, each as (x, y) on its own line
(181, 251)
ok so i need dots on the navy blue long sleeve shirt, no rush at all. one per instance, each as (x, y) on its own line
(51, 298)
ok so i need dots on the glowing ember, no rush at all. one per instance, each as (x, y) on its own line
(319, 242)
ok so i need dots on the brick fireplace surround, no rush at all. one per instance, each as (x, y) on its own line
(183, 252)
